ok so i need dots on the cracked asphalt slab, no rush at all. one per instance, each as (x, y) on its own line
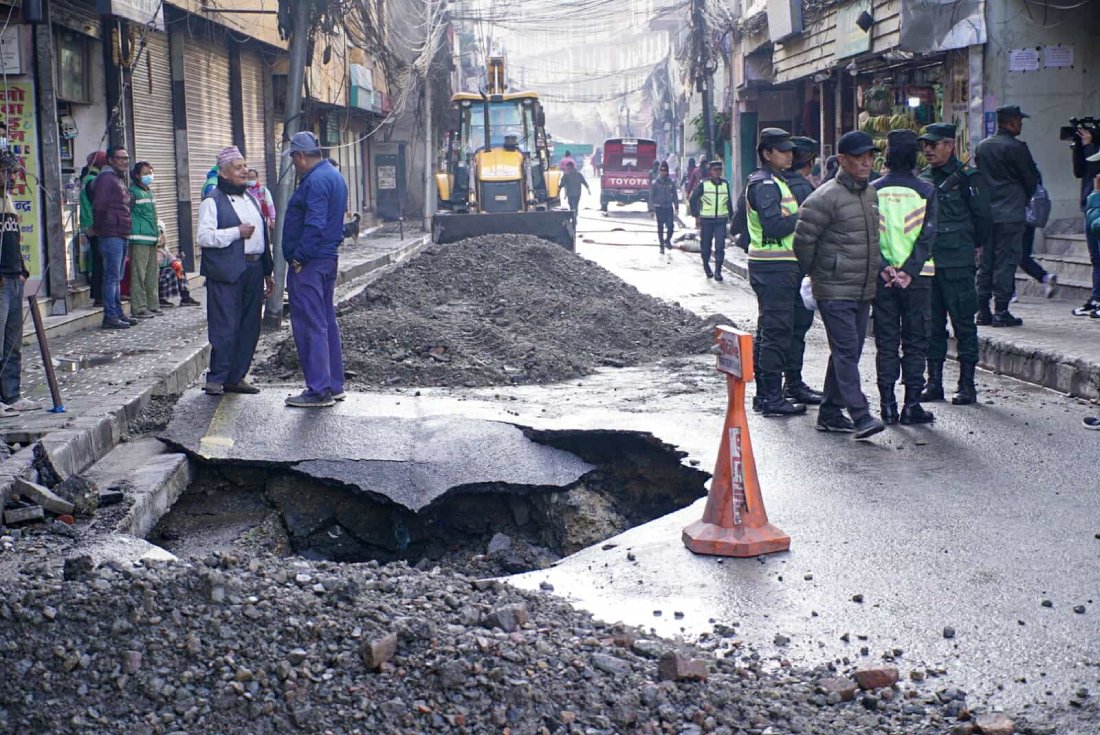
(410, 461)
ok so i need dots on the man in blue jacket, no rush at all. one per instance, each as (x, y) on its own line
(312, 232)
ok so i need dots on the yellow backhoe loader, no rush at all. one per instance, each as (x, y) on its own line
(497, 178)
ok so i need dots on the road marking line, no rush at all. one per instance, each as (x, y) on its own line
(215, 444)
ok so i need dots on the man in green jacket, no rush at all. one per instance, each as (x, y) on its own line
(144, 235)
(836, 242)
(96, 161)
(965, 221)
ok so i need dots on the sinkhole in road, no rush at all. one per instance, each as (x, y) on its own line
(482, 529)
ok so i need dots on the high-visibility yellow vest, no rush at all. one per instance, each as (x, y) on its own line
(715, 201)
(770, 249)
(901, 216)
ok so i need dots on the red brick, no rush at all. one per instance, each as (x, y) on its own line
(877, 678)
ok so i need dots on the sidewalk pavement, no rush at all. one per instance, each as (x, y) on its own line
(1053, 348)
(107, 377)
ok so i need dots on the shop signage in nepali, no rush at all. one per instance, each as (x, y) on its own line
(18, 109)
(142, 11)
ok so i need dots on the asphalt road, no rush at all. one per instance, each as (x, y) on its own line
(971, 523)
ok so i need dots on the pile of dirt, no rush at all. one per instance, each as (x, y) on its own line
(498, 310)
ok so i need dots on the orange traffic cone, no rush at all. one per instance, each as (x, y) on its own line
(735, 522)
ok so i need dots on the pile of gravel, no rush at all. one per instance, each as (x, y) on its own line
(498, 310)
(230, 645)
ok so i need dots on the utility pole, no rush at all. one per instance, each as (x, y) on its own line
(429, 149)
(299, 46)
(702, 74)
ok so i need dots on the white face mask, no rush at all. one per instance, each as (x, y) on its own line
(3, 142)
(251, 183)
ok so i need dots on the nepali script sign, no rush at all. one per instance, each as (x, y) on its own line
(18, 108)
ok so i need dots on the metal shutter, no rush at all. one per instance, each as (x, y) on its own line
(154, 129)
(209, 116)
(252, 100)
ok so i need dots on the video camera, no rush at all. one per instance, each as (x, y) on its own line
(1070, 132)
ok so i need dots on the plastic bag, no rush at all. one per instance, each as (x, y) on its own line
(1038, 209)
(807, 293)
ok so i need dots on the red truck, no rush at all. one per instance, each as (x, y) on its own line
(626, 166)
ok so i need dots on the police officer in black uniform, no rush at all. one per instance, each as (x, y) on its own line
(712, 208)
(771, 212)
(965, 222)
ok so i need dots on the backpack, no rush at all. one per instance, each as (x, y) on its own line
(1038, 209)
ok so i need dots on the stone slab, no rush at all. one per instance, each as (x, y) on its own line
(409, 461)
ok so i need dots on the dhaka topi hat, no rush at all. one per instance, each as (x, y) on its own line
(229, 154)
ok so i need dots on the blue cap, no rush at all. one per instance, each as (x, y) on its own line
(856, 143)
(303, 142)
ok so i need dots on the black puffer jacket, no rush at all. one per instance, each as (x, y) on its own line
(836, 240)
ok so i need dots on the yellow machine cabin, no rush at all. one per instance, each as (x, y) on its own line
(497, 176)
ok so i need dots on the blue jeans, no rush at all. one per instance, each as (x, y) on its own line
(113, 252)
(1094, 256)
(11, 312)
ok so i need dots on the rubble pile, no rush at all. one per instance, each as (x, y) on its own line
(227, 644)
(499, 310)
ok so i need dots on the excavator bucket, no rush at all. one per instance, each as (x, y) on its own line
(555, 225)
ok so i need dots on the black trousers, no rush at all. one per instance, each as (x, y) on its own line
(1028, 263)
(233, 312)
(997, 272)
(954, 297)
(96, 286)
(901, 322)
(666, 218)
(712, 235)
(782, 320)
(846, 326)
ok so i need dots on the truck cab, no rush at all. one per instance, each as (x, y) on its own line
(626, 166)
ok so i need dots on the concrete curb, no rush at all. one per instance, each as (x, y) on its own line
(158, 484)
(1050, 369)
(88, 438)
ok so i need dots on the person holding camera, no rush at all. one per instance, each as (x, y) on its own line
(1086, 147)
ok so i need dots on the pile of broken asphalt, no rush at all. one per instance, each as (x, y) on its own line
(230, 644)
(500, 310)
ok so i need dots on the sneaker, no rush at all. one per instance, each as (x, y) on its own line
(1014, 299)
(834, 424)
(24, 404)
(6, 411)
(142, 315)
(1050, 285)
(1091, 423)
(339, 396)
(129, 320)
(242, 387)
(115, 324)
(1095, 314)
(867, 427)
(156, 312)
(190, 302)
(213, 389)
(1086, 310)
(166, 304)
(310, 400)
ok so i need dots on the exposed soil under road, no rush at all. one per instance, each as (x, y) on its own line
(499, 310)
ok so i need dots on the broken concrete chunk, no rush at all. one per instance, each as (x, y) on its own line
(842, 686)
(42, 495)
(110, 496)
(672, 666)
(994, 723)
(26, 514)
(508, 618)
(378, 651)
(876, 678)
(77, 568)
(81, 492)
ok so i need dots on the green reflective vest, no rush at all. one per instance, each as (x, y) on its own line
(901, 216)
(770, 249)
(715, 201)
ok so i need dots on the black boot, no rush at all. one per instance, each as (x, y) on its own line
(1004, 318)
(798, 392)
(772, 403)
(933, 389)
(967, 392)
(757, 402)
(888, 404)
(718, 269)
(912, 412)
(984, 317)
(707, 270)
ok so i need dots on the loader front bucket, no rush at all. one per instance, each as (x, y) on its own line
(555, 225)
